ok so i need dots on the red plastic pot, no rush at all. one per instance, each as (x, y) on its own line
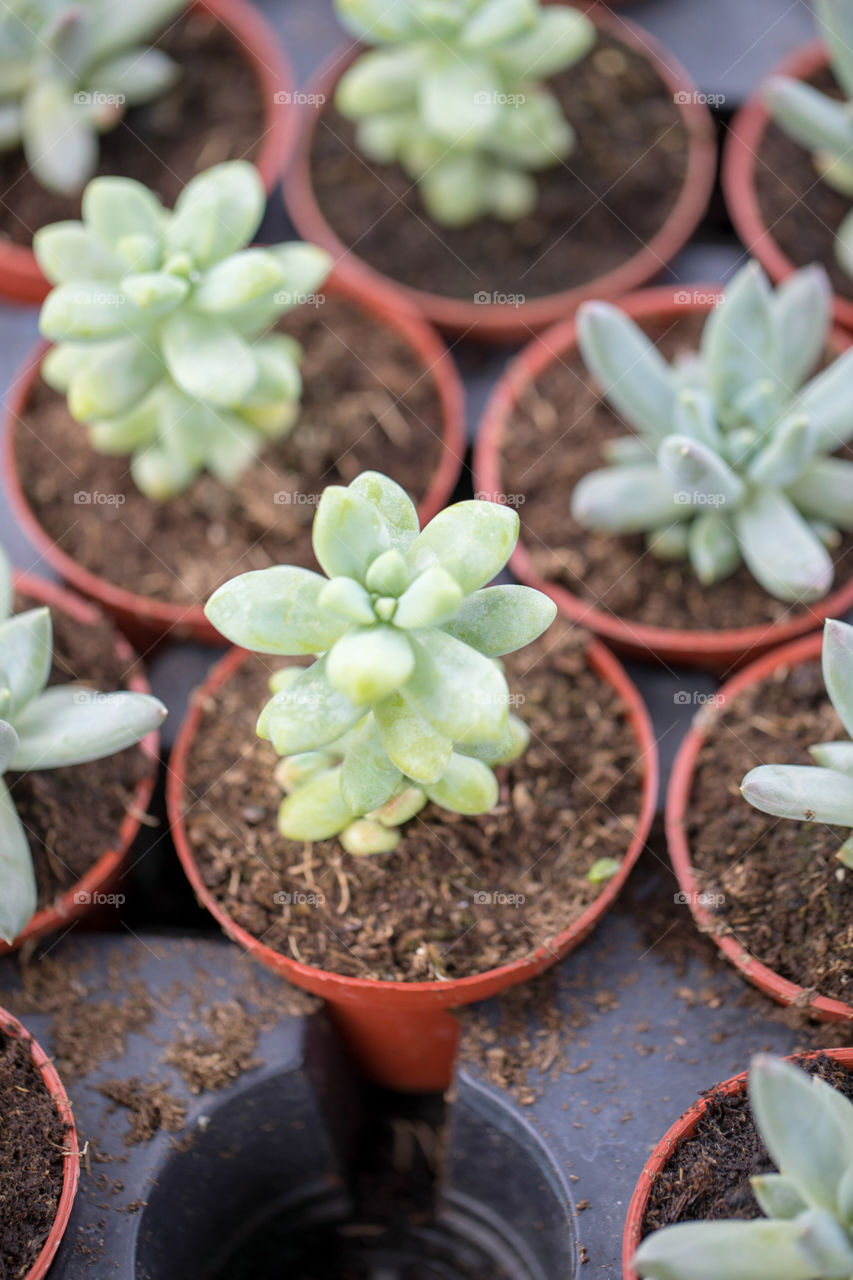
(402, 1034)
(740, 156)
(147, 621)
(684, 1128)
(81, 898)
(710, 650)
(20, 277)
(71, 1153)
(515, 323)
(677, 803)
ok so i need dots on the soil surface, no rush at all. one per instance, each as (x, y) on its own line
(551, 440)
(32, 1138)
(572, 798)
(786, 898)
(367, 404)
(73, 815)
(707, 1175)
(213, 113)
(596, 209)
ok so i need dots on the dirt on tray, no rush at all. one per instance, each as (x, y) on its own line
(149, 1106)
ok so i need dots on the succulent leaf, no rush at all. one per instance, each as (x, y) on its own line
(800, 791)
(837, 662)
(630, 370)
(18, 900)
(276, 610)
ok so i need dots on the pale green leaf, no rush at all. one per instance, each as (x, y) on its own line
(462, 694)
(70, 724)
(411, 741)
(369, 778)
(310, 713)
(369, 663)
(467, 786)
(500, 620)
(18, 899)
(780, 550)
(275, 610)
(207, 359)
(472, 541)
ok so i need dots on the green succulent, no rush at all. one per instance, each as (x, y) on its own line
(48, 728)
(404, 700)
(159, 318)
(807, 1233)
(68, 71)
(456, 98)
(820, 122)
(730, 461)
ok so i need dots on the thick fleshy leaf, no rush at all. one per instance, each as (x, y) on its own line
(807, 115)
(68, 251)
(349, 533)
(802, 314)
(239, 280)
(712, 547)
(279, 379)
(472, 541)
(561, 37)
(835, 20)
(348, 599)
(156, 293)
(7, 588)
(800, 791)
(114, 379)
(826, 1244)
(309, 714)
(824, 490)
(70, 724)
(837, 663)
(366, 837)
(670, 541)
(789, 451)
(630, 370)
(462, 694)
(139, 75)
(305, 267)
(466, 786)
(389, 574)
(736, 1250)
(17, 878)
(114, 208)
(217, 213)
(59, 137)
(120, 25)
(377, 21)
(780, 550)
(844, 243)
(627, 499)
(828, 402)
(369, 778)
(454, 188)
(401, 807)
(275, 610)
(777, 1196)
(369, 663)
(459, 101)
(411, 741)
(394, 504)
(499, 620)
(625, 450)
(26, 654)
(432, 599)
(207, 359)
(694, 416)
(379, 81)
(738, 341)
(8, 745)
(698, 474)
(159, 474)
(86, 311)
(513, 743)
(316, 810)
(498, 20)
(833, 755)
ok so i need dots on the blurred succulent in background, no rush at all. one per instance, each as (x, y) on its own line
(730, 460)
(48, 728)
(68, 71)
(405, 701)
(158, 316)
(822, 123)
(455, 96)
(807, 1234)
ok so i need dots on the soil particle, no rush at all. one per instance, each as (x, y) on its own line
(216, 1059)
(149, 1106)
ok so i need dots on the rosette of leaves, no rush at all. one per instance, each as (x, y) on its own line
(807, 1231)
(730, 461)
(454, 94)
(68, 71)
(404, 701)
(161, 322)
(47, 728)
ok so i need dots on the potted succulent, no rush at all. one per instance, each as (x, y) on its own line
(775, 1195)
(181, 402)
(786, 168)
(773, 894)
(499, 162)
(40, 1167)
(149, 91)
(71, 796)
(401, 728)
(714, 530)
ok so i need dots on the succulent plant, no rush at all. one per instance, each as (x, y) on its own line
(68, 70)
(404, 700)
(822, 792)
(730, 460)
(158, 318)
(820, 122)
(455, 96)
(807, 1233)
(48, 728)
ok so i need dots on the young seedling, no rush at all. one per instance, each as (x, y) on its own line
(404, 702)
(822, 123)
(68, 71)
(48, 728)
(159, 318)
(807, 1233)
(822, 792)
(730, 460)
(455, 96)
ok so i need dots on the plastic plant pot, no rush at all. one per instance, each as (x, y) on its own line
(402, 1034)
(81, 898)
(146, 620)
(21, 279)
(71, 1163)
(495, 322)
(709, 650)
(684, 1128)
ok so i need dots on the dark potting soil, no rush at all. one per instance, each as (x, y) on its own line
(73, 815)
(801, 212)
(148, 1105)
(707, 1176)
(787, 899)
(596, 209)
(367, 404)
(32, 1138)
(551, 440)
(572, 798)
(213, 113)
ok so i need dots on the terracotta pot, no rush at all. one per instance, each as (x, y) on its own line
(742, 150)
(677, 805)
(20, 277)
(103, 875)
(401, 1034)
(710, 650)
(684, 1128)
(146, 620)
(71, 1154)
(512, 324)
